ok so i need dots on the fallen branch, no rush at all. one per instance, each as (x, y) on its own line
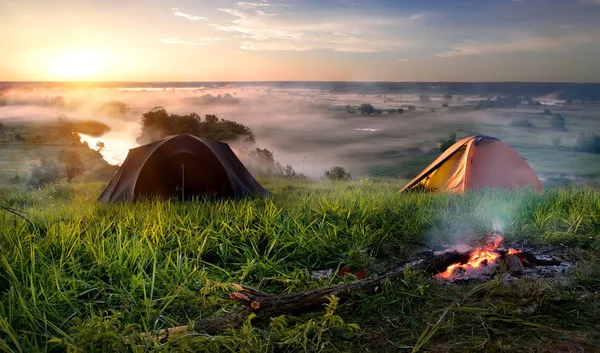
(266, 305)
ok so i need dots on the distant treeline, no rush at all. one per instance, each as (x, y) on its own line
(564, 91)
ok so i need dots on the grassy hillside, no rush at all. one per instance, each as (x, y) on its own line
(89, 277)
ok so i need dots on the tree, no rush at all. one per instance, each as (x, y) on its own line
(100, 146)
(556, 140)
(588, 142)
(448, 97)
(400, 111)
(157, 124)
(263, 156)
(290, 173)
(444, 145)
(211, 119)
(337, 173)
(378, 111)
(391, 111)
(557, 123)
(412, 107)
(366, 109)
(114, 108)
(547, 111)
(72, 164)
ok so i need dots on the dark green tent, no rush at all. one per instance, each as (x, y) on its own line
(181, 166)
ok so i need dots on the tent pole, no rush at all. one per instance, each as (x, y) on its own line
(182, 182)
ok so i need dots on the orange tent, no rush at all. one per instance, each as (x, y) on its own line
(474, 163)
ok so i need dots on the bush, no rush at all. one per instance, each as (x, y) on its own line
(337, 173)
(43, 173)
(522, 123)
(588, 142)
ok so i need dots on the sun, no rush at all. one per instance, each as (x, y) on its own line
(75, 65)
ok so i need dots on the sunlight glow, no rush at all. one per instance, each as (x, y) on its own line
(75, 65)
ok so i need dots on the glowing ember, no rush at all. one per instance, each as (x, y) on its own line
(480, 257)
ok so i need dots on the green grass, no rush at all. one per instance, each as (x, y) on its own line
(90, 277)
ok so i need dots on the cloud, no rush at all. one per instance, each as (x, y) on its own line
(188, 16)
(416, 16)
(524, 44)
(287, 31)
(254, 4)
(198, 41)
(591, 2)
(402, 61)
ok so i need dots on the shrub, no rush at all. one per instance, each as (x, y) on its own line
(337, 173)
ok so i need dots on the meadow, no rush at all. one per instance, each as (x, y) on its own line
(78, 276)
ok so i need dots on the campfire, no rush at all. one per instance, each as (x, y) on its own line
(487, 259)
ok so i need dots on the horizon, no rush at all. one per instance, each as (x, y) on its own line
(305, 81)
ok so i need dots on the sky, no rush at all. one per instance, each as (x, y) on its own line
(300, 40)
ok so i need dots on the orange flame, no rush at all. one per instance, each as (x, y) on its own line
(479, 256)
